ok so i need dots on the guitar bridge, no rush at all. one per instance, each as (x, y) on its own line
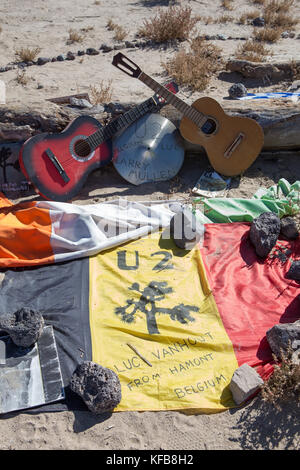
(232, 147)
(57, 165)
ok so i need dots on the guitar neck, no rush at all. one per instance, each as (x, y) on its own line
(121, 122)
(188, 111)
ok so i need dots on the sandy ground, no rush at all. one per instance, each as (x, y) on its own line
(46, 24)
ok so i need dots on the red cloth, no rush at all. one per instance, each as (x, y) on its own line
(252, 294)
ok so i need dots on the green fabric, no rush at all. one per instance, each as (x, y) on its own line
(281, 198)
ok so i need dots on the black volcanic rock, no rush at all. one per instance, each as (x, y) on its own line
(98, 386)
(264, 233)
(92, 51)
(24, 326)
(294, 271)
(259, 21)
(289, 228)
(237, 90)
(43, 60)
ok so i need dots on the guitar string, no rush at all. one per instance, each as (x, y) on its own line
(113, 127)
(140, 111)
(192, 113)
(137, 112)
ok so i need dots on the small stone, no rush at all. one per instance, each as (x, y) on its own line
(92, 51)
(97, 109)
(61, 57)
(237, 90)
(129, 44)
(106, 47)
(43, 60)
(284, 335)
(244, 383)
(285, 34)
(117, 108)
(294, 86)
(176, 207)
(185, 229)
(264, 233)
(118, 47)
(54, 59)
(80, 103)
(294, 271)
(142, 43)
(221, 37)
(151, 42)
(39, 86)
(25, 326)
(259, 21)
(70, 56)
(22, 65)
(288, 228)
(80, 53)
(98, 386)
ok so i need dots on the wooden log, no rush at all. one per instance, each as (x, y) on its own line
(281, 126)
(265, 71)
(66, 99)
(20, 122)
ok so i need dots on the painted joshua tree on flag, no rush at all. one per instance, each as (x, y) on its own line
(154, 292)
(5, 153)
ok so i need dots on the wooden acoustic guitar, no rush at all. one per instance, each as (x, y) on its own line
(232, 143)
(58, 164)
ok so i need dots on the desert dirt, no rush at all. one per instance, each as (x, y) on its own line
(45, 24)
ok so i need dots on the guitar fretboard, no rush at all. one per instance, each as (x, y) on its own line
(105, 133)
(193, 114)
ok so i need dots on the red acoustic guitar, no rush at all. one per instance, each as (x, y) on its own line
(58, 164)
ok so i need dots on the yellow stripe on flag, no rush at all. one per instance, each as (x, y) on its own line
(156, 297)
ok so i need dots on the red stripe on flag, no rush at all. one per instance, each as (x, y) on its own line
(252, 294)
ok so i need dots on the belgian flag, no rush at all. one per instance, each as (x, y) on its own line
(173, 324)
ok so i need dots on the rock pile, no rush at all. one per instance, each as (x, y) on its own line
(265, 230)
(89, 51)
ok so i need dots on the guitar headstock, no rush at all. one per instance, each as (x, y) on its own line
(126, 65)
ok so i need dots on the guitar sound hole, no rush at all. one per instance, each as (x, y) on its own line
(82, 148)
(209, 127)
